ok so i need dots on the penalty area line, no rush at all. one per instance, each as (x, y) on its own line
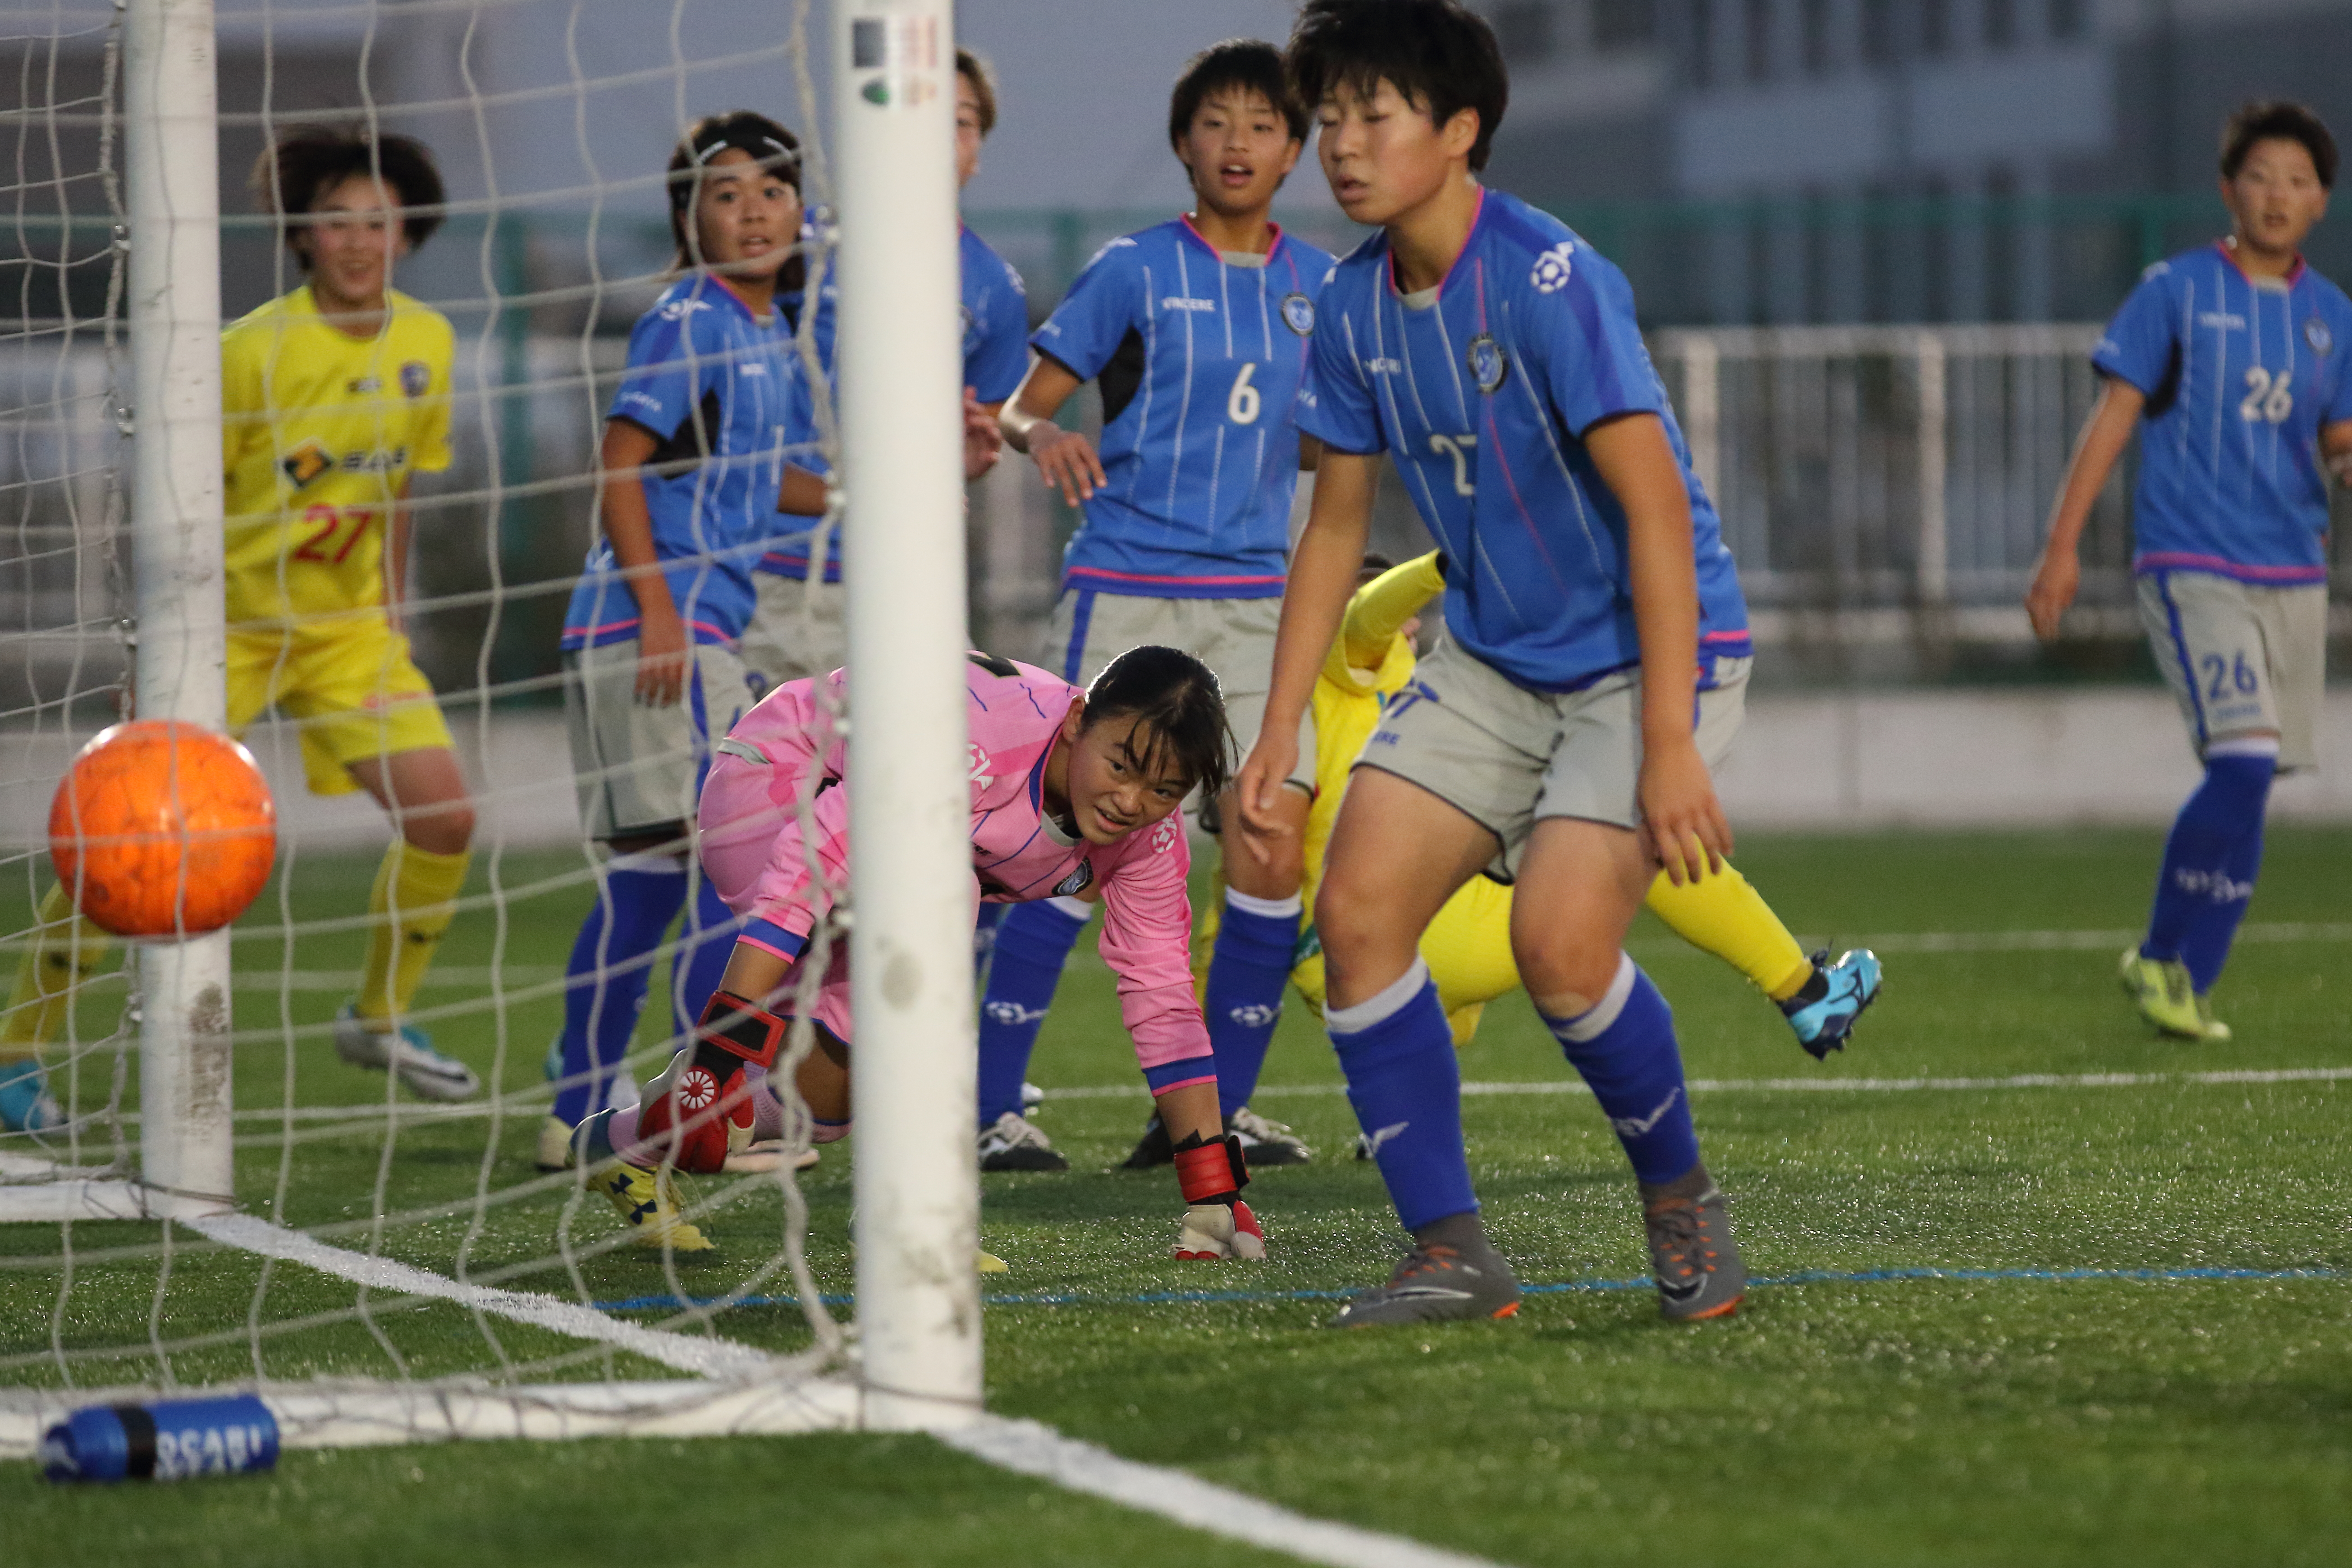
(1815, 1085)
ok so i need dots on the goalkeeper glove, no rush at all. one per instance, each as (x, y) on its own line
(701, 1106)
(1217, 1224)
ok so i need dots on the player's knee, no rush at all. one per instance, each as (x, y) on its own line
(1353, 922)
(446, 827)
(1563, 974)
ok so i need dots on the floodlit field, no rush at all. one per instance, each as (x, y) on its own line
(2060, 1321)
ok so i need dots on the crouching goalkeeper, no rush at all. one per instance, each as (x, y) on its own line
(1073, 793)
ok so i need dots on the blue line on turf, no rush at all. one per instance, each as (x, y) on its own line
(1802, 1277)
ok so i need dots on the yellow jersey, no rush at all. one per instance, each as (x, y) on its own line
(320, 431)
(1469, 945)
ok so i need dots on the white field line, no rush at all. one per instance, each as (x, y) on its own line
(1813, 1085)
(1929, 942)
(699, 1354)
(1032, 1450)
(1020, 1446)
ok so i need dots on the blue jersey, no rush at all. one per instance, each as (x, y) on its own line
(996, 322)
(711, 383)
(788, 550)
(1201, 360)
(1481, 395)
(2241, 375)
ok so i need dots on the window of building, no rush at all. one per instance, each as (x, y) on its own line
(1999, 23)
(1524, 29)
(1816, 19)
(1759, 40)
(1878, 32)
(2068, 19)
(1935, 27)
(1624, 24)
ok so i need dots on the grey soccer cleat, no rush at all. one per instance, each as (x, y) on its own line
(1014, 1143)
(1435, 1284)
(1694, 1259)
(1266, 1142)
(406, 1051)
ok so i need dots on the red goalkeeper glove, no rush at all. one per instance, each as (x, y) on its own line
(701, 1102)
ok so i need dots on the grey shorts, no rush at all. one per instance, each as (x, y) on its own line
(639, 768)
(795, 634)
(1234, 638)
(1509, 757)
(2240, 659)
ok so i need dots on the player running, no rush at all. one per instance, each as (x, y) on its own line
(2230, 360)
(333, 398)
(1596, 658)
(1197, 332)
(1468, 944)
(1070, 790)
(799, 628)
(690, 473)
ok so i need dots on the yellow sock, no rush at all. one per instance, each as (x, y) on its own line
(422, 886)
(67, 949)
(1722, 914)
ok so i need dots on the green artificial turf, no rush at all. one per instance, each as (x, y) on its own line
(1852, 1413)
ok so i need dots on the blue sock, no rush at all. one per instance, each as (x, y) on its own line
(1247, 974)
(639, 896)
(701, 960)
(983, 938)
(1624, 1048)
(2210, 861)
(1032, 942)
(1397, 1051)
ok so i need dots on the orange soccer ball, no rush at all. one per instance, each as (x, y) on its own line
(162, 829)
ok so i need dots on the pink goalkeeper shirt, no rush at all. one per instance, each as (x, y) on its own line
(759, 860)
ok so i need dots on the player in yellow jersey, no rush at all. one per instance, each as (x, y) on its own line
(333, 396)
(1469, 946)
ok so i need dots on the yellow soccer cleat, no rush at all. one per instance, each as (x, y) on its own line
(992, 1264)
(2161, 989)
(648, 1203)
(2215, 1030)
(554, 1144)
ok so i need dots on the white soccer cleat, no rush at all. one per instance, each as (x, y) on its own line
(767, 1154)
(1214, 1231)
(407, 1051)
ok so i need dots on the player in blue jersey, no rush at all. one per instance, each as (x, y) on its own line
(1594, 664)
(690, 472)
(2230, 361)
(800, 629)
(1197, 332)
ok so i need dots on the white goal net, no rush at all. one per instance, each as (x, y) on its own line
(206, 1187)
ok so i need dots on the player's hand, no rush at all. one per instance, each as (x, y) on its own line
(983, 443)
(1683, 824)
(1067, 460)
(1257, 791)
(661, 656)
(2055, 581)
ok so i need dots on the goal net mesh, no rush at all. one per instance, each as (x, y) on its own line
(394, 1266)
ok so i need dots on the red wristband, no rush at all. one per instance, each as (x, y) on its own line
(741, 1027)
(1210, 1171)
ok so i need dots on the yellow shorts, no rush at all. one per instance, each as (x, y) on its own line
(352, 685)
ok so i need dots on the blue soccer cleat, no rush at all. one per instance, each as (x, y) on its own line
(25, 1104)
(1847, 986)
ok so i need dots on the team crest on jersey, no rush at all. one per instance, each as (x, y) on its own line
(1299, 313)
(1076, 882)
(2315, 334)
(1487, 362)
(307, 462)
(415, 376)
(360, 386)
(1552, 269)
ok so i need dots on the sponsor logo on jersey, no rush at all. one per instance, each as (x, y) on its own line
(980, 763)
(678, 310)
(1299, 313)
(1487, 362)
(1179, 302)
(1384, 367)
(2315, 334)
(415, 378)
(2228, 320)
(1076, 882)
(360, 386)
(307, 462)
(1166, 835)
(1552, 267)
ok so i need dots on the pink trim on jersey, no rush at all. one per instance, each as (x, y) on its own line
(1742, 635)
(1272, 246)
(2184, 560)
(1468, 235)
(748, 940)
(1181, 1083)
(765, 864)
(2294, 274)
(1111, 577)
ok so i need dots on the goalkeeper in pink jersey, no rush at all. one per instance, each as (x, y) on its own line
(1073, 794)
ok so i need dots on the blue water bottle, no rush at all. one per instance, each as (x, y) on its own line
(170, 1440)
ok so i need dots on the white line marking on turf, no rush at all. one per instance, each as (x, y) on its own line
(705, 1357)
(1032, 1450)
(1813, 1085)
(2062, 940)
